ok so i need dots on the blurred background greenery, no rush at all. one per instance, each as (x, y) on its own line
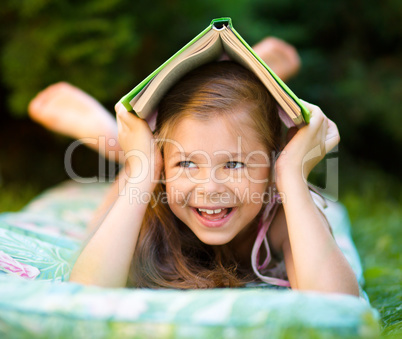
(351, 67)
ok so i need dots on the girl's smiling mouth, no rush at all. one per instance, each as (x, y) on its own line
(213, 216)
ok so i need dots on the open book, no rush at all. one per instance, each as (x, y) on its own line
(217, 39)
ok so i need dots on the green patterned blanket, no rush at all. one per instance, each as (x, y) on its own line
(39, 244)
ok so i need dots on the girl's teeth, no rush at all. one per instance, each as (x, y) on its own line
(214, 214)
(219, 210)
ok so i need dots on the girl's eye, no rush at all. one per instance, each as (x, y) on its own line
(186, 164)
(234, 165)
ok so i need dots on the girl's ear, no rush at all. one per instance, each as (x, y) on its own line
(163, 177)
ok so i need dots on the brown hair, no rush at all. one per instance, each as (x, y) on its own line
(168, 253)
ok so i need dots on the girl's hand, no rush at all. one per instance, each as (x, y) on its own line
(308, 146)
(136, 139)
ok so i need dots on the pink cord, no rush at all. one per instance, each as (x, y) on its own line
(263, 227)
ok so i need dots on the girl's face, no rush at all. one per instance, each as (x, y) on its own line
(216, 179)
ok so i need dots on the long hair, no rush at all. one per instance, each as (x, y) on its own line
(168, 254)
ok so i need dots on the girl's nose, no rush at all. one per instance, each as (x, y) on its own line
(209, 180)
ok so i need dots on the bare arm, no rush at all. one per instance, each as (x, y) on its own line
(313, 260)
(105, 260)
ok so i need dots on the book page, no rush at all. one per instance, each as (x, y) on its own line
(206, 49)
(239, 53)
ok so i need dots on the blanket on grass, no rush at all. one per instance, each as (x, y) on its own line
(39, 244)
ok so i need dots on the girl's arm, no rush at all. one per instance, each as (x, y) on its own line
(313, 260)
(106, 258)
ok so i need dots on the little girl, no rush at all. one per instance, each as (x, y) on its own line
(220, 197)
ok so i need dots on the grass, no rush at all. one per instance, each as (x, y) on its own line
(374, 202)
(14, 196)
(376, 214)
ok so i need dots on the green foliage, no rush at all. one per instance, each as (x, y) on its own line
(351, 55)
(80, 42)
(104, 47)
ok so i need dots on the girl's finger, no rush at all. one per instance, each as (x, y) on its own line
(312, 108)
(124, 117)
(120, 115)
(120, 109)
(332, 137)
(308, 105)
(317, 116)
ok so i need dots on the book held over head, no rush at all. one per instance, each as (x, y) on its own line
(218, 39)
